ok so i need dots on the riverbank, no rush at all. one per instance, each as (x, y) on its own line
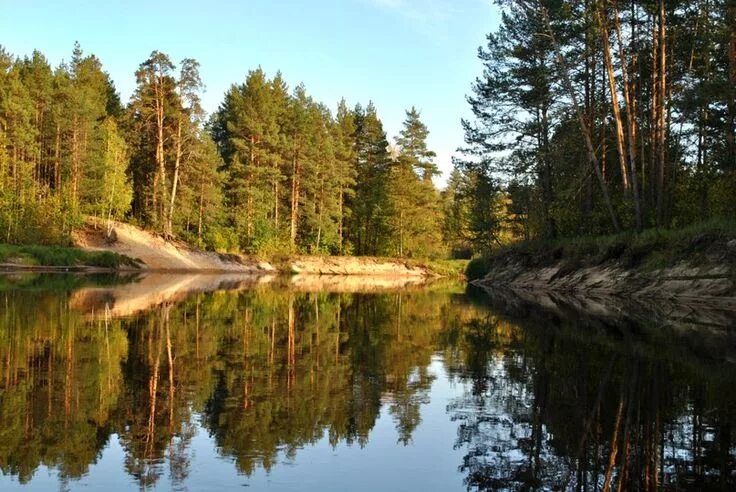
(693, 263)
(52, 259)
(133, 248)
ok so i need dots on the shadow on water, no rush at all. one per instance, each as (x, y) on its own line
(544, 393)
(597, 394)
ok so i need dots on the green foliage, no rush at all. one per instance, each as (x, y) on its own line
(60, 257)
(61, 155)
(477, 268)
(573, 159)
(272, 172)
(414, 204)
(648, 250)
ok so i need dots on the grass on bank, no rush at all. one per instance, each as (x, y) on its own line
(56, 256)
(648, 250)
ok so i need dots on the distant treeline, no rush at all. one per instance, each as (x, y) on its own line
(599, 116)
(271, 171)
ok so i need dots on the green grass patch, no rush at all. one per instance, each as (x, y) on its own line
(648, 250)
(55, 256)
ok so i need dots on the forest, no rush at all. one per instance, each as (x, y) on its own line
(271, 171)
(589, 118)
(596, 117)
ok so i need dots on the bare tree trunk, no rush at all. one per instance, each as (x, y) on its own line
(201, 212)
(401, 233)
(653, 120)
(57, 159)
(321, 207)
(75, 160)
(159, 181)
(342, 218)
(607, 60)
(294, 200)
(630, 120)
(590, 101)
(249, 202)
(660, 115)
(169, 220)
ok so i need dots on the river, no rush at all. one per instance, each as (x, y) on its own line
(219, 383)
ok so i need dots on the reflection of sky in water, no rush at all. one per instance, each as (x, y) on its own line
(429, 463)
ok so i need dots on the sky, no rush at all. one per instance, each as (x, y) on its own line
(397, 53)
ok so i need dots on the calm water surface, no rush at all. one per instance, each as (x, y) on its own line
(201, 384)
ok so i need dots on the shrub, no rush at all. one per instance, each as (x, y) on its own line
(477, 268)
(58, 256)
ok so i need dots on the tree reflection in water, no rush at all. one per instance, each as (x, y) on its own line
(539, 403)
(548, 404)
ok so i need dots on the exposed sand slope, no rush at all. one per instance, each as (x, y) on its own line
(346, 265)
(159, 254)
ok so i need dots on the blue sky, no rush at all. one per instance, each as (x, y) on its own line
(397, 53)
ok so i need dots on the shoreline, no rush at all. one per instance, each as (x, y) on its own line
(685, 265)
(137, 250)
(310, 266)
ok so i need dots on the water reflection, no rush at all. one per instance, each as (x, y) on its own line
(536, 401)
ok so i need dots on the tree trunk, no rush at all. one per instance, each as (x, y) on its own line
(731, 128)
(201, 212)
(276, 203)
(630, 120)
(581, 118)
(608, 61)
(661, 111)
(342, 218)
(401, 233)
(175, 182)
(294, 200)
(319, 215)
(75, 161)
(57, 159)
(160, 179)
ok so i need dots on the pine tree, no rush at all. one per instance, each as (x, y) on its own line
(414, 203)
(247, 131)
(368, 228)
(344, 133)
(153, 109)
(412, 141)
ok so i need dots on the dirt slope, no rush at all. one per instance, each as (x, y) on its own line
(158, 254)
(705, 270)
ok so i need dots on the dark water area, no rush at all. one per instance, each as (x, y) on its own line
(178, 383)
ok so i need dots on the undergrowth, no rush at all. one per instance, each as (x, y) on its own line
(60, 256)
(648, 250)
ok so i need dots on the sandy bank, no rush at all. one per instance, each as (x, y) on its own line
(157, 254)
